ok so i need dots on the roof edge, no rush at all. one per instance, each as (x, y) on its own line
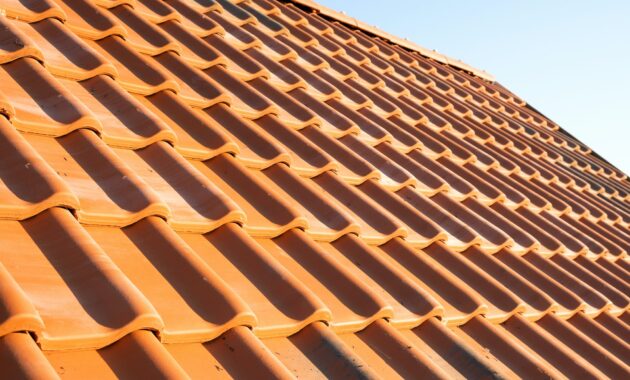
(351, 21)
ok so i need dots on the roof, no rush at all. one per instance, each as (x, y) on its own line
(372, 30)
(204, 188)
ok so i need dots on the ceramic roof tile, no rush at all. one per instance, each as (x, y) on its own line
(109, 192)
(42, 105)
(224, 357)
(137, 72)
(88, 20)
(256, 147)
(126, 123)
(266, 213)
(281, 303)
(303, 355)
(22, 358)
(193, 49)
(195, 20)
(39, 187)
(266, 188)
(352, 304)
(142, 35)
(96, 303)
(197, 135)
(411, 304)
(136, 354)
(156, 11)
(196, 88)
(306, 158)
(15, 43)
(18, 313)
(326, 222)
(167, 270)
(194, 201)
(65, 54)
(237, 61)
(33, 11)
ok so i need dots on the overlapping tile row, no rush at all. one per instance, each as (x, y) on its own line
(187, 186)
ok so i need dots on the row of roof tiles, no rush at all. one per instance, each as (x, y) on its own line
(117, 186)
(550, 347)
(276, 286)
(164, 158)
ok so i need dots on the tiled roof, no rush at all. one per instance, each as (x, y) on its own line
(209, 189)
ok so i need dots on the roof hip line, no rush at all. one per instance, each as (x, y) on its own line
(351, 21)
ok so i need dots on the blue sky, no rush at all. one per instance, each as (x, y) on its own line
(569, 59)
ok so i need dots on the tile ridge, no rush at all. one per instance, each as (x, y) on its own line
(403, 42)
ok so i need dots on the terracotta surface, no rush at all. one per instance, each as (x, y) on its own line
(267, 189)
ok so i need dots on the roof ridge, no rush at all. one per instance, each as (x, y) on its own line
(351, 21)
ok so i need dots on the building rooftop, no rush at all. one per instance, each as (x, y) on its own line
(272, 189)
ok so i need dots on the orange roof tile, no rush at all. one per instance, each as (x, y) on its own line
(263, 188)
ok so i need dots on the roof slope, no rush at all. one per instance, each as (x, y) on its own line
(195, 188)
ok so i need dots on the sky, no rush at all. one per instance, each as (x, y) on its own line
(568, 59)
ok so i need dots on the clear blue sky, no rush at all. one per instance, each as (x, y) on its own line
(569, 59)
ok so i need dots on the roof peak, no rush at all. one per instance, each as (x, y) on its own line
(351, 21)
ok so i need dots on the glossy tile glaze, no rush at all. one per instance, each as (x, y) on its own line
(254, 189)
